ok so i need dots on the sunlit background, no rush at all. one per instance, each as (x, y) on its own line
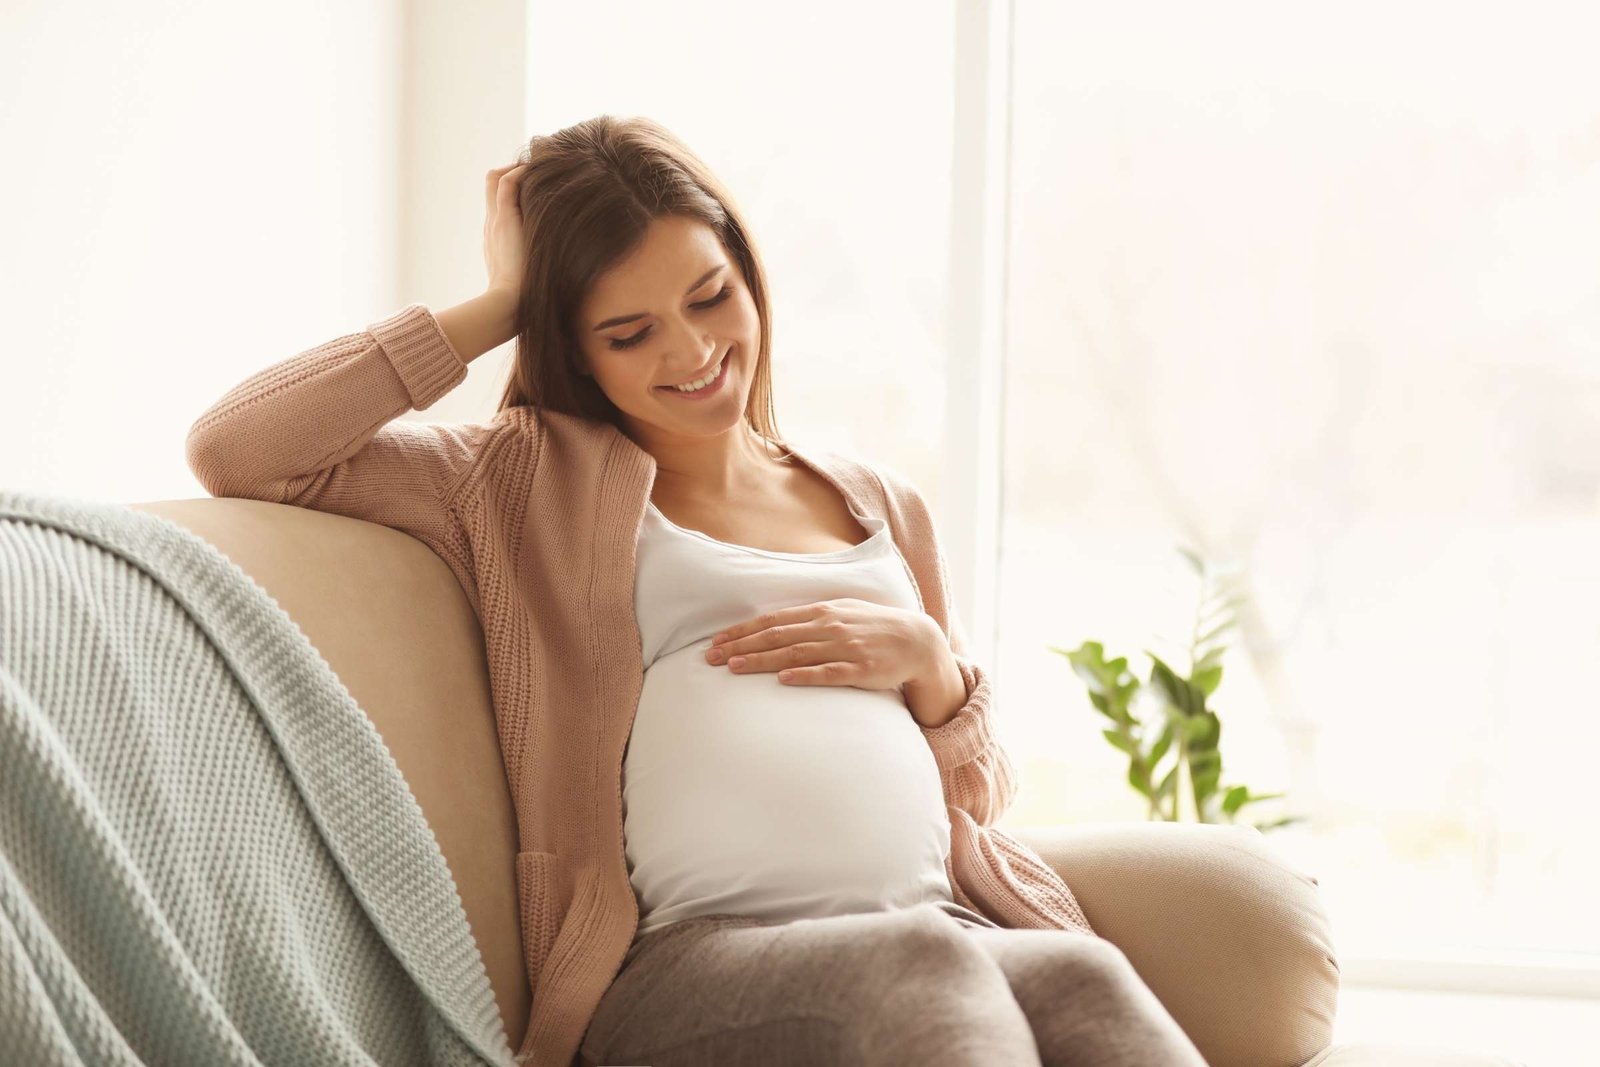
(1311, 290)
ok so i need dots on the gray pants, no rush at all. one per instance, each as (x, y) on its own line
(935, 984)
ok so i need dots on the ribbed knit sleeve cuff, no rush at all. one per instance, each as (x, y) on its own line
(966, 735)
(421, 354)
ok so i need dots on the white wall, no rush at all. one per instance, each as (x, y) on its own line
(195, 191)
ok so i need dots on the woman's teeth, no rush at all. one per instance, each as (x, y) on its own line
(702, 382)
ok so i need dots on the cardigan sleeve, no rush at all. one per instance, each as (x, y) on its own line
(974, 768)
(318, 431)
(976, 772)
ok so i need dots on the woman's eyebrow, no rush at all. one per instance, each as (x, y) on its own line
(698, 282)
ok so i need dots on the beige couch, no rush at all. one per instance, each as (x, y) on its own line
(1232, 939)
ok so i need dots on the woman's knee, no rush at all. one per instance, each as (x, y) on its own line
(922, 948)
(878, 986)
(923, 992)
(1049, 968)
(1084, 1000)
(1102, 960)
(1042, 959)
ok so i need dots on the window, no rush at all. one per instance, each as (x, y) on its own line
(1315, 289)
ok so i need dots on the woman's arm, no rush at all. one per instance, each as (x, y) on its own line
(476, 326)
(936, 698)
(974, 768)
(317, 430)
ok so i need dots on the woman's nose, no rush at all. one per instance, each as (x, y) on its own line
(698, 347)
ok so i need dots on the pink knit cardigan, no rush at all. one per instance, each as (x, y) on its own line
(538, 513)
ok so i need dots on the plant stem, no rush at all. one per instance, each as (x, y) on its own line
(1177, 781)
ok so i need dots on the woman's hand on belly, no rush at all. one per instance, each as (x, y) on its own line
(836, 642)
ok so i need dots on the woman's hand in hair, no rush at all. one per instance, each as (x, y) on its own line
(505, 251)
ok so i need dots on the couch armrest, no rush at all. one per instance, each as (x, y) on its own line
(1232, 939)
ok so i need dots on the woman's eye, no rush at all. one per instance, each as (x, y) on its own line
(714, 301)
(629, 342)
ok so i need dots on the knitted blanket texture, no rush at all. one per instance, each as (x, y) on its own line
(207, 853)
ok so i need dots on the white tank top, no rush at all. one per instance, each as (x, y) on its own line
(745, 795)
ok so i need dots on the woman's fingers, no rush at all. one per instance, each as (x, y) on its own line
(503, 254)
(502, 187)
(508, 182)
(493, 182)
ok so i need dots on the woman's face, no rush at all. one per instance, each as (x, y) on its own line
(668, 314)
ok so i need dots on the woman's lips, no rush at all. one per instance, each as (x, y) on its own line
(714, 387)
(721, 365)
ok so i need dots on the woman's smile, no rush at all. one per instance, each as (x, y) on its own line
(714, 386)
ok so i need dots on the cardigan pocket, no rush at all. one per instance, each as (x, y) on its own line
(541, 906)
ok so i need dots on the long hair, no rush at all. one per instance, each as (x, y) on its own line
(588, 195)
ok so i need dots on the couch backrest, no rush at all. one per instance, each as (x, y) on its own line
(393, 623)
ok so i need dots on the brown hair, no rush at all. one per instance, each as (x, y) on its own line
(589, 194)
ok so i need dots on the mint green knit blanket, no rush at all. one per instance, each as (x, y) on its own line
(207, 853)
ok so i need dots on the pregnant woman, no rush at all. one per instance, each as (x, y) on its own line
(755, 775)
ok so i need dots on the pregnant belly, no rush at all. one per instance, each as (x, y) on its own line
(739, 787)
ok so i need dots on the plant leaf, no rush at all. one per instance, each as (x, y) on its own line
(1208, 679)
(1201, 731)
(1211, 635)
(1163, 742)
(1175, 689)
(1121, 741)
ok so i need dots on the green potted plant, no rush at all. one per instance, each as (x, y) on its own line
(1190, 729)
